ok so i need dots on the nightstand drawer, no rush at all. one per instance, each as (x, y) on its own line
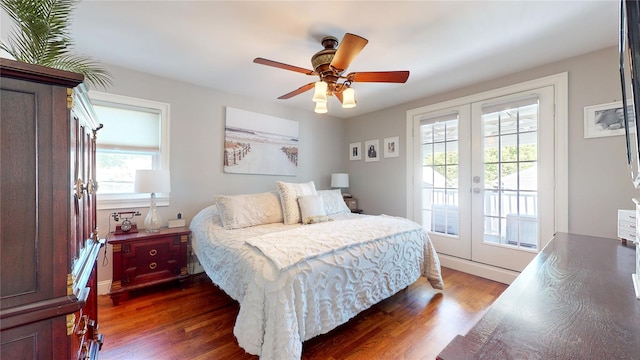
(627, 215)
(146, 260)
(627, 234)
(627, 225)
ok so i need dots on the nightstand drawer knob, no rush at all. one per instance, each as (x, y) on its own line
(153, 265)
(153, 252)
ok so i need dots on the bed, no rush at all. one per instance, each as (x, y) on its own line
(296, 278)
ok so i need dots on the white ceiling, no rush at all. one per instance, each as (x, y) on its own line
(444, 44)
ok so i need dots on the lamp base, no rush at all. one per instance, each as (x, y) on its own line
(152, 220)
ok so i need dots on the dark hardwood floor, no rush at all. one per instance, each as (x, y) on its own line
(168, 322)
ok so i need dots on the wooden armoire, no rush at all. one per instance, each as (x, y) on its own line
(49, 242)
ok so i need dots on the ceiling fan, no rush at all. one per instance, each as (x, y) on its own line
(329, 65)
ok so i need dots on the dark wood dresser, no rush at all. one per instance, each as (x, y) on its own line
(145, 259)
(48, 237)
(575, 301)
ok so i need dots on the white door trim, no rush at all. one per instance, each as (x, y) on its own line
(560, 84)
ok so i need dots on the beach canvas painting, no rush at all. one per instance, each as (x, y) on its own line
(259, 144)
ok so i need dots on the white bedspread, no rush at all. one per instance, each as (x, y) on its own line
(289, 247)
(307, 295)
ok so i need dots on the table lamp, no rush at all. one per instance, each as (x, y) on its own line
(152, 181)
(339, 180)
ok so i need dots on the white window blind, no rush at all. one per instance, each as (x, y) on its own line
(129, 128)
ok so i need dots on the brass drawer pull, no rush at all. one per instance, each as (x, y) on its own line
(153, 252)
(153, 265)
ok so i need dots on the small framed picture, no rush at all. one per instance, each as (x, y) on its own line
(604, 120)
(372, 150)
(355, 151)
(391, 147)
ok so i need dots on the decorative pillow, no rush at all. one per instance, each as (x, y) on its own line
(289, 193)
(318, 219)
(312, 209)
(333, 202)
(240, 211)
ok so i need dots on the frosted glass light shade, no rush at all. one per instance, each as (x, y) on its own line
(320, 94)
(348, 98)
(321, 108)
(339, 180)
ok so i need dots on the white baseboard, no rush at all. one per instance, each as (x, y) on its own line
(485, 271)
(104, 287)
(195, 267)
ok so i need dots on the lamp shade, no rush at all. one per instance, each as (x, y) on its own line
(348, 98)
(320, 94)
(321, 108)
(340, 180)
(152, 181)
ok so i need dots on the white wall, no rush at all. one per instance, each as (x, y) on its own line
(599, 183)
(197, 135)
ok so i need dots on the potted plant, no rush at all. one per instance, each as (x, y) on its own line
(41, 37)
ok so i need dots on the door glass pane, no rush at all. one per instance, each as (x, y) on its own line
(427, 155)
(509, 148)
(452, 153)
(510, 165)
(440, 175)
(492, 203)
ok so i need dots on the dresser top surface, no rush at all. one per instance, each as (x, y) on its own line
(575, 300)
(143, 235)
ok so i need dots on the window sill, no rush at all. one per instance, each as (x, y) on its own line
(106, 202)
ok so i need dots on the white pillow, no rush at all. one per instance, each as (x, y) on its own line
(240, 211)
(333, 202)
(312, 209)
(289, 193)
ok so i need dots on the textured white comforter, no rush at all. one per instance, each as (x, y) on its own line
(285, 300)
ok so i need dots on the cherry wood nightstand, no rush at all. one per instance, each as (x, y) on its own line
(145, 259)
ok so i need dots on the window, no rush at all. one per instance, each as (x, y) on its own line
(135, 136)
(510, 161)
(440, 162)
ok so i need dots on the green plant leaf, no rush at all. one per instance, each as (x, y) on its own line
(41, 36)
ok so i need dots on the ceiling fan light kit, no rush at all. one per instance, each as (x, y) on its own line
(320, 94)
(329, 65)
(348, 98)
(321, 107)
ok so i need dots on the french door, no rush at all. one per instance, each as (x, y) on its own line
(486, 177)
(444, 175)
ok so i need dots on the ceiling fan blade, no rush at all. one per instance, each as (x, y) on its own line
(379, 76)
(298, 91)
(339, 96)
(348, 49)
(283, 66)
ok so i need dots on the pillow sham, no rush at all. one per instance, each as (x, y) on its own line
(240, 211)
(312, 209)
(333, 202)
(289, 193)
